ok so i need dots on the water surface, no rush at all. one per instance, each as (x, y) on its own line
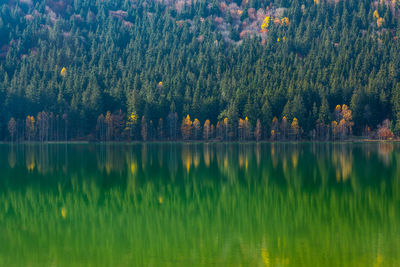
(200, 204)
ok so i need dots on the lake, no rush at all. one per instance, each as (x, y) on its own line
(165, 204)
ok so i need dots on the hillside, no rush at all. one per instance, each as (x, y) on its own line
(133, 70)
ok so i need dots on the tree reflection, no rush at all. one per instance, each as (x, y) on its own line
(302, 166)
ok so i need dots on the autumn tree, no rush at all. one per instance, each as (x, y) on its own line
(257, 131)
(206, 130)
(284, 127)
(12, 128)
(226, 127)
(186, 128)
(274, 129)
(30, 127)
(295, 128)
(241, 129)
(63, 72)
(345, 118)
(343, 130)
(131, 123)
(42, 122)
(196, 129)
(244, 129)
(247, 129)
(384, 131)
(337, 112)
(334, 129)
(347, 115)
(219, 131)
(109, 124)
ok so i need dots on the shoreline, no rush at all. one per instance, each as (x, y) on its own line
(351, 141)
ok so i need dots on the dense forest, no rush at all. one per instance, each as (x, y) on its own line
(199, 70)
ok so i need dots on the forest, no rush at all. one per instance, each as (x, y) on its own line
(126, 70)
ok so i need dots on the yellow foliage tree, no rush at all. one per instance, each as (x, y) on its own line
(295, 128)
(186, 127)
(273, 135)
(246, 128)
(316, 2)
(338, 109)
(206, 130)
(30, 127)
(284, 127)
(343, 128)
(274, 128)
(379, 22)
(226, 126)
(265, 23)
(347, 116)
(241, 129)
(334, 127)
(197, 128)
(63, 72)
(132, 120)
(376, 14)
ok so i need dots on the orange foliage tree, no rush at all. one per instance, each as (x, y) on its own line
(384, 131)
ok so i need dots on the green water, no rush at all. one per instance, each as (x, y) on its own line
(200, 205)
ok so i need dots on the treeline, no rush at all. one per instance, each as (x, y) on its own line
(115, 127)
(146, 65)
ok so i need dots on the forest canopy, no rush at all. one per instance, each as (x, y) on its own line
(208, 69)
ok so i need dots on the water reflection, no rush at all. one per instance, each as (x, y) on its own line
(302, 166)
(204, 204)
